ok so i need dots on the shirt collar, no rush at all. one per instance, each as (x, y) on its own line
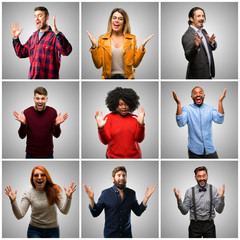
(196, 29)
(116, 190)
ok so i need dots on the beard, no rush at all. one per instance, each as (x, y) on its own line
(202, 183)
(119, 185)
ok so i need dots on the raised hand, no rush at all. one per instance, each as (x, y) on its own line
(197, 41)
(100, 121)
(176, 97)
(89, 192)
(140, 117)
(15, 30)
(10, 193)
(212, 39)
(20, 117)
(92, 39)
(223, 95)
(222, 191)
(145, 41)
(53, 26)
(177, 194)
(70, 190)
(150, 191)
(60, 119)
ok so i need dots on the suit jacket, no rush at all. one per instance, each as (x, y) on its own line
(102, 55)
(198, 64)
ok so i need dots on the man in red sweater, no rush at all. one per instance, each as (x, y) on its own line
(40, 123)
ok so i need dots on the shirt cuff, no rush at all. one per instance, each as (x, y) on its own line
(220, 114)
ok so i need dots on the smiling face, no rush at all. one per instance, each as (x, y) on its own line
(123, 108)
(39, 180)
(201, 178)
(198, 96)
(117, 22)
(198, 19)
(41, 20)
(120, 180)
(40, 102)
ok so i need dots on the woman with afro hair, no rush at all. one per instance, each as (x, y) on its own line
(43, 198)
(120, 129)
(116, 51)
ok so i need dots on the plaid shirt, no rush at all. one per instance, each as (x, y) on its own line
(44, 54)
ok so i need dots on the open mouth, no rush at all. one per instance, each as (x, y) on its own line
(198, 100)
(116, 25)
(40, 106)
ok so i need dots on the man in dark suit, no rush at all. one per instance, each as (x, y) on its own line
(198, 47)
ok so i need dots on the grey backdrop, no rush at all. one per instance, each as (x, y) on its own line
(174, 140)
(93, 99)
(222, 20)
(63, 96)
(143, 17)
(180, 175)
(17, 175)
(67, 21)
(140, 175)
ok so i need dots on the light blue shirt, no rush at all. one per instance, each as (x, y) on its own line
(199, 120)
(202, 201)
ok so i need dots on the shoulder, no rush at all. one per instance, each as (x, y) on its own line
(28, 193)
(51, 109)
(130, 36)
(105, 36)
(189, 32)
(107, 191)
(29, 110)
(130, 191)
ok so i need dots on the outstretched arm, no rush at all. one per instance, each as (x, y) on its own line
(148, 194)
(185, 205)
(144, 42)
(179, 107)
(220, 104)
(90, 195)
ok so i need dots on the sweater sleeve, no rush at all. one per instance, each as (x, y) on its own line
(20, 211)
(140, 133)
(56, 129)
(22, 132)
(105, 133)
(64, 206)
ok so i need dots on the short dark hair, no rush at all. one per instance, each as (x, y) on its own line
(128, 95)
(40, 91)
(117, 169)
(40, 8)
(202, 168)
(191, 14)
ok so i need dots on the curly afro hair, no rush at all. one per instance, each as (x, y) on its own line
(128, 95)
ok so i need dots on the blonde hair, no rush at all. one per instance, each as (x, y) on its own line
(126, 27)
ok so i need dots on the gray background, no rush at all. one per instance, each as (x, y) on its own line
(174, 140)
(144, 21)
(67, 21)
(17, 175)
(140, 175)
(93, 99)
(63, 96)
(222, 20)
(180, 175)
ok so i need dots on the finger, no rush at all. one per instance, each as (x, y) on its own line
(142, 110)
(15, 192)
(147, 190)
(96, 115)
(22, 113)
(71, 184)
(65, 189)
(90, 189)
(59, 114)
(223, 187)
(54, 21)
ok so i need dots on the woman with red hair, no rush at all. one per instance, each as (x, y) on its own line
(43, 196)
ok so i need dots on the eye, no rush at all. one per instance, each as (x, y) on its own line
(35, 175)
(43, 175)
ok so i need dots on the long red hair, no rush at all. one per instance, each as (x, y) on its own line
(52, 190)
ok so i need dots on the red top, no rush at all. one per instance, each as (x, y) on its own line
(122, 134)
(44, 54)
(40, 128)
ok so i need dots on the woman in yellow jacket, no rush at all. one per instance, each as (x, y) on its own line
(117, 51)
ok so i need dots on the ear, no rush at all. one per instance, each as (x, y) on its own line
(113, 179)
(195, 177)
(192, 97)
(46, 99)
(191, 19)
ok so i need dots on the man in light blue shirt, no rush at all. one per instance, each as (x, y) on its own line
(199, 117)
(202, 200)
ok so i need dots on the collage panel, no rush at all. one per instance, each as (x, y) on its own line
(181, 176)
(51, 55)
(52, 133)
(179, 58)
(201, 129)
(140, 179)
(140, 48)
(30, 214)
(122, 136)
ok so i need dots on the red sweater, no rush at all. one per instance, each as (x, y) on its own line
(122, 134)
(40, 128)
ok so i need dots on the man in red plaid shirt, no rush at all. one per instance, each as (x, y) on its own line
(44, 47)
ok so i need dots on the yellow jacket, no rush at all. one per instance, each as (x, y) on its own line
(102, 55)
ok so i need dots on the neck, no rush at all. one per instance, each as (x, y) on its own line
(116, 34)
(44, 29)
